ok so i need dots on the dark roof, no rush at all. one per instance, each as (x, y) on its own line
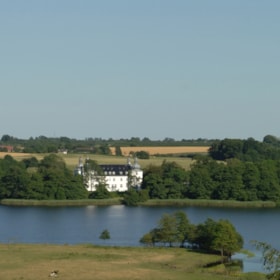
(115, 169)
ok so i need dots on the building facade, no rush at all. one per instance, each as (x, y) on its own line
(116, 177)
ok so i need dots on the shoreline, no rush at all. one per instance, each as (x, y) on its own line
(149, 203)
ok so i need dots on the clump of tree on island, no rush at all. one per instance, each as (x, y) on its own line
(211, 236)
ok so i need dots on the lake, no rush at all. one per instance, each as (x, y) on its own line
(74, 225)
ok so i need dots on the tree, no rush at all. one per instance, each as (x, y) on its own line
(167, 229)
(100, 193)
(93, 173)
(226, 239)
(151, 238)
(218, 236)
(153, 182)
(14, 183)
(59, 182)
(271, 259)
(105, 234)
(30, 162)
(118, 151)
(131, 197)
(142, 155)
(183, 227)
(7, 138)
(272, 140)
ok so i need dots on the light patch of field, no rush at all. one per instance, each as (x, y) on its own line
(163, 150)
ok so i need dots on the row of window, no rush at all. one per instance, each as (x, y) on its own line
(114, 173)
(114, 179)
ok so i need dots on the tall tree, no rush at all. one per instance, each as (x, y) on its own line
(226, 239)
(168, 229)
(183, 227)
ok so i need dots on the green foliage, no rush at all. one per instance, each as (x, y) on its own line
(272, 140)
(226, 239)
(218, 236)
(133, 197)
(142, 155)
(271, 259)
(167, 181)
(118, 151)
(51, 180)
(246, 150)
(172, 228)
(167, 229)
(234, 180)
(105, 234)
(100, 193)
(30, 162)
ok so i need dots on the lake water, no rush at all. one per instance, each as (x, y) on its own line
(74, 225)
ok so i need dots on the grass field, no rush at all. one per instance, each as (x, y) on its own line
(87, 262)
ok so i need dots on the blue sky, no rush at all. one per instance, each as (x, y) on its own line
(182, 69)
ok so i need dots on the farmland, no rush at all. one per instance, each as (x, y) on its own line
(72, 160)
(164, 150)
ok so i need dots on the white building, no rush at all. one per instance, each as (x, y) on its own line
(116, 177)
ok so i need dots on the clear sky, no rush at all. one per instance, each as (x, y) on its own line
(181, 69)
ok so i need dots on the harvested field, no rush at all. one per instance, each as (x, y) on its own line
(164, 150)
(20, 156)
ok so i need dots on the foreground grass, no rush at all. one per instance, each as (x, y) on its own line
(84, 262)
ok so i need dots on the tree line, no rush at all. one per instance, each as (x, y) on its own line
(43, 144)
(209, 179)
(246, 150)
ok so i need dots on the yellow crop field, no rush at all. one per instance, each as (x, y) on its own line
(164, 150)
(20, 156)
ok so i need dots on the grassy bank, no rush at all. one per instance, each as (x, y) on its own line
(209, 203)
(82, 202)
(86, 262)
(151, 202)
